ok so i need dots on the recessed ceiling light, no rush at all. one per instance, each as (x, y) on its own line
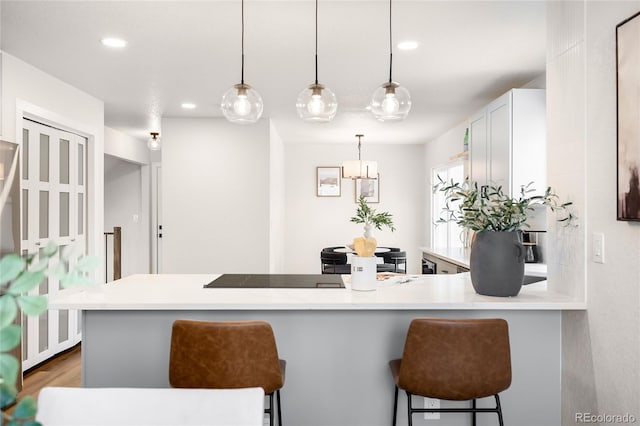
(113, 42)
(408, 45)
(188, 105)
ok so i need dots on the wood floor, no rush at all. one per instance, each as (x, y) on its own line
(62, 370)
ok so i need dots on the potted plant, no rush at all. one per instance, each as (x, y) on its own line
(18, 276)
(371, 218)
(363, 266)
(497, 253)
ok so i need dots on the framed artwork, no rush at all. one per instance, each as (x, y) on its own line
(369, 188)
(628, 109)
(328, 182)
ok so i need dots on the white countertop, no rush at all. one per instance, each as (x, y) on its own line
(460, 256)
(186, 292)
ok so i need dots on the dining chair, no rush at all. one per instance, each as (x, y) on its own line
(330, 249)
(397, 259)
(453, 359)
(227, 355)
(334, 263)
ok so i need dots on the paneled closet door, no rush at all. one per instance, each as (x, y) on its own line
(53, 209)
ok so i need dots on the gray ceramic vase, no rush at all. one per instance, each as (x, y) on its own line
(497, 263)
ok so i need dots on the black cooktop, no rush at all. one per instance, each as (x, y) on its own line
(276, 281)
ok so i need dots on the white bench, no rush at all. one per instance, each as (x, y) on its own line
(59, 406)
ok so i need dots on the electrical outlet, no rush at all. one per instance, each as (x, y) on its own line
(598, 247)
(432, 403)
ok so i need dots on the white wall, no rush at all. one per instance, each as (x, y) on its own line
(123, 200)
(121, 145)
(27, 91)
(601, 347)
(277, 202)
(127, 192)
(315, 222)
(215, 196)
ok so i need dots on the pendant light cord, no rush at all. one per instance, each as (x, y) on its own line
(242, 70)
(316, 42)
(390, 45)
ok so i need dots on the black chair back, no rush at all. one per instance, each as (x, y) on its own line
(397, 259)
(334, 263)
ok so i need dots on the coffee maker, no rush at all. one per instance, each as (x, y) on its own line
(530, 243)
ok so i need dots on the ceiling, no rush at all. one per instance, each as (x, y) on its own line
(469, 53)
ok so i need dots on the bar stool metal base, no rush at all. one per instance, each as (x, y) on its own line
(269, 410)
(473, 410)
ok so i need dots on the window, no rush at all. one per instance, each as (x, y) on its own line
(447, 234)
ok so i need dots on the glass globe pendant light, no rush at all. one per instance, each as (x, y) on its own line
(153, 143)
(241, 103)
(317, 103)
(390, 101)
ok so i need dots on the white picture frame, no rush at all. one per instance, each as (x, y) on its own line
(369, 188)
(328, 182)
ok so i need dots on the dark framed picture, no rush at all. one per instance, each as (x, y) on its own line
(628, 109)
(369, 188)
(328, 183)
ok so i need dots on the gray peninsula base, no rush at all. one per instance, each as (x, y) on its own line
(337, 372)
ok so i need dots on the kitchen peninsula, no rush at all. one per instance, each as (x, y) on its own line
(337, 342)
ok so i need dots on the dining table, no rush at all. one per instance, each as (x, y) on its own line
(351, 252)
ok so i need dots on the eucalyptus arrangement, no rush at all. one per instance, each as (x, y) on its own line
(369, 216)
(18, 276)
(488, 208)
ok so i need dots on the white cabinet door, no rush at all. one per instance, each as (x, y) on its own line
(478, 149)
(499, 142)
(508, 142)
(529, 140)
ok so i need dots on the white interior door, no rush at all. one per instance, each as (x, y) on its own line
(53, 187)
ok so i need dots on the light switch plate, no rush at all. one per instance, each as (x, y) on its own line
(598, 247)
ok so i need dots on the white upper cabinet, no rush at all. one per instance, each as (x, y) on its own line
(508, 142)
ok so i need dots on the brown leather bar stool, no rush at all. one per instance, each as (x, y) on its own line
(454, 359)
(227, 355)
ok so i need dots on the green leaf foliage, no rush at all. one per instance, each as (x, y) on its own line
(50, 250)
(30, 422)
(71, 252)
(8, 310)
(27, 281)
(10, 267)
(32, 305)
(87, 263)
(488, 208)
(26, 408)
(57, 271)
(9, 337)
(8, 394)
(365, 214)
(9, 366)
(18, 276)
(75, 278)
